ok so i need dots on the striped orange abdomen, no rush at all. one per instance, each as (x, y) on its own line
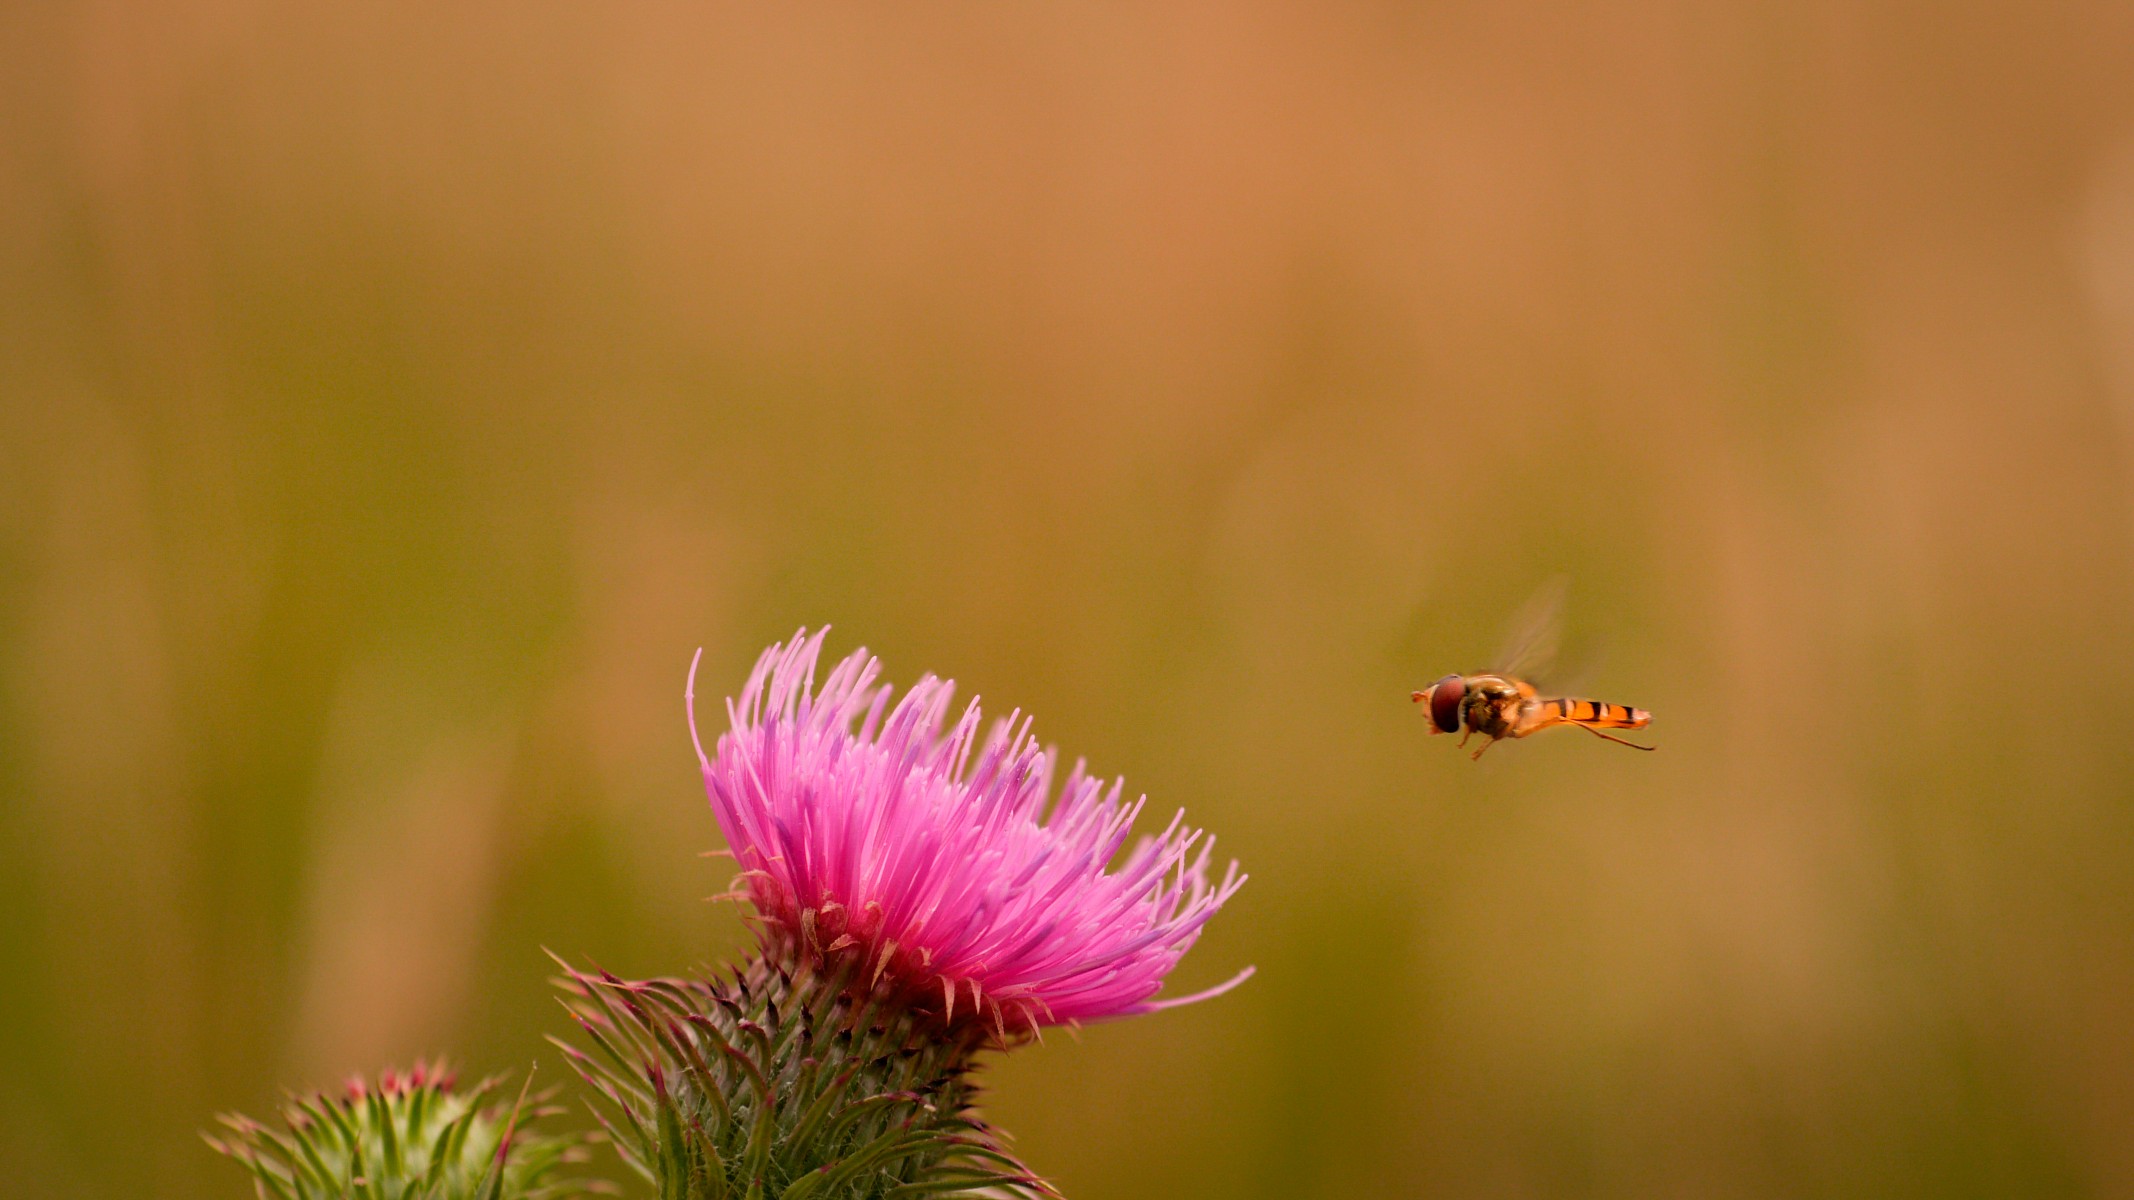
(1600, 715)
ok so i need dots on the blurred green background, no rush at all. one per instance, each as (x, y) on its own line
(393, 396)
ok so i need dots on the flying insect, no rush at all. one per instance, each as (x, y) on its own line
(1502, 704)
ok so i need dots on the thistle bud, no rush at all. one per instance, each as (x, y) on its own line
(409, 1136)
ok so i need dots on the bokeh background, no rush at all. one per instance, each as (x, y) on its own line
(394, 395)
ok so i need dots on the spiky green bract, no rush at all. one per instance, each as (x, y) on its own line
(409, 1136)
(775, 1083)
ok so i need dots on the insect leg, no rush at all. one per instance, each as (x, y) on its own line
(1484, 750)
(1535, 716)
(1611, 737)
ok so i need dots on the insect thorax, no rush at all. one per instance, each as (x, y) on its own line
(1491, 706)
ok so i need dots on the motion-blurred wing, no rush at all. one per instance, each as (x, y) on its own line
(1536, 633)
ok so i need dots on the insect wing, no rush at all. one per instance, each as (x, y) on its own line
(1536, 634)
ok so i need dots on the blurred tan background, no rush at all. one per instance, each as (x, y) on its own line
(392, 396)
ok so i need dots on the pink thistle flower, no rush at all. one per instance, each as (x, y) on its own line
(934, 866)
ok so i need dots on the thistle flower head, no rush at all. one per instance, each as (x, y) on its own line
(932, 861)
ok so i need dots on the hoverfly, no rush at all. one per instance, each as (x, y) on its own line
(1502, 704)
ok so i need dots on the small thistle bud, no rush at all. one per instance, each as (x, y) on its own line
(409, 1136)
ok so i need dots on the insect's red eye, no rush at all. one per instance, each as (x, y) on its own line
(1445, 697)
